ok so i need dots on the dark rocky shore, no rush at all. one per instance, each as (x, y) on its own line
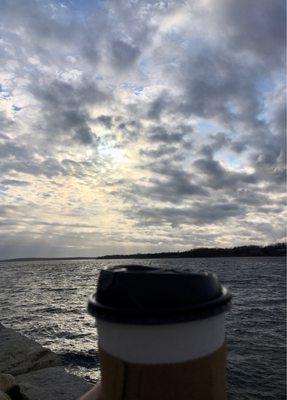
(38, 371)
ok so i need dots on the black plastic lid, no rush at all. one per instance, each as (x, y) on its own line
(135, 294)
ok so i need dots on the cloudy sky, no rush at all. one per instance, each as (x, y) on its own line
(134, 126)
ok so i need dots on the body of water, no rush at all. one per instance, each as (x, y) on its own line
(47, 302)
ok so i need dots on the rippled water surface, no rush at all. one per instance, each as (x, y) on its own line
(47, 302)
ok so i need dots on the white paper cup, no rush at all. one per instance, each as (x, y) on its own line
(161, 334)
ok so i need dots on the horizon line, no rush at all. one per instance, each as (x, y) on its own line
(107, 256)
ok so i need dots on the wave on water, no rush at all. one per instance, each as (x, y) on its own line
(47, 301)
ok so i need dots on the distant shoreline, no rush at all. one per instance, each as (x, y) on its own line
(129, 257)
(274, 250)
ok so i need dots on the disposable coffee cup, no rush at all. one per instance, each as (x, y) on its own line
(161, 334)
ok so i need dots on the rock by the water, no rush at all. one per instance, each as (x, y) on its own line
(4, 396)
(52, 384)
(19, 354)
(6, 382)
(16, 394)
(37, 370)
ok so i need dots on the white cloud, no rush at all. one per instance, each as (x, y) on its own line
(140, 125)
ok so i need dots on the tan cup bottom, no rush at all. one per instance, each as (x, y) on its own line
(200, 379)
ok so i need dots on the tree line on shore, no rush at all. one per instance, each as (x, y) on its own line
(278, 249)
(273, 250)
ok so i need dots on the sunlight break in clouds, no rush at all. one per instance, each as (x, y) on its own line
(131, 126)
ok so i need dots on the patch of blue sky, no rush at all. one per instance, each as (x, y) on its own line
(84, 6)
(265, 85)
(79, 9)
(230, 159)
(4, 93)
(99, 77)
(177, 38)
(205, 126)
(148, 67)
(268, 85)
(3, 188)
(147, 62)
(195, 44)
(208, 127)
(232, 107)
(130, 87)
(267, 88)
(144, 67)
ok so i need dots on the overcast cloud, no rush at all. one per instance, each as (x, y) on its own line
(132, 126)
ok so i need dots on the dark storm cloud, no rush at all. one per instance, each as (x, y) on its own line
(129, 128)
(258, 26)
(65, 94)
(160, 151)
(270, 231)
(157, 106)
(132, 27)
(216, 82)
(36, 19)
(174, 190)
(84, 135)
(35, 29)
(10, 150)
(64, 108)
(251, 198)
(106, 120)
(14, 182)
(26, 159)
(222, 140)
(76, 169)
(278, 112)
(169, 184)
(91, 54)
(218, 177)
(238, 146)
(275, 175)
(161, 134)
(200, 214)
(219, 87)
(49, 167)
(123, 54)
(269, 158)
(270, 210)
